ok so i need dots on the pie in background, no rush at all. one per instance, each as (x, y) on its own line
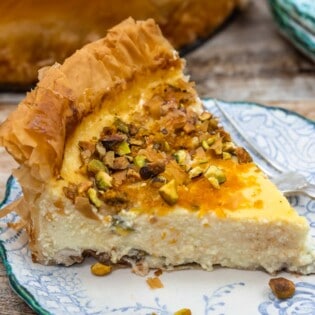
(35, 33)
(119, 160)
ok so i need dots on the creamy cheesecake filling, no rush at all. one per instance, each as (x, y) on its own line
(177, 239)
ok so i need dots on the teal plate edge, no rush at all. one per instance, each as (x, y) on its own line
(293, 30)
(22, 292)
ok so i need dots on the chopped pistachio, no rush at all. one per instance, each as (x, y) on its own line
(92, 194)
(123, 148)
(109, 159)
(169, 192)
(204, 116)
(100, 149)
(121, 126)
(95, 166)
(214, 182)
(213, 124)
(216, 173)
(180, 156)
(166, 146)
(196, 171)
(205, 144)
(103, 180)
(194, 142)
(211, 140)
(226, 156)
(152, 169)
(139, 160)
(99, 269)
(228, 147)
(158, 181)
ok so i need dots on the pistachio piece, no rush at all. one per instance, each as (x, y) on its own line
(92, 194)
(109, 159)
(180, 156)
(214, 182)
(194, 172)
(120, 163)
(228, 147)
(211, 140)
(242, 156)
(123, 148)
(95, 166)
(168, 192)
(120, 125)
(103, 180)
(100, 149)
(111, 141)
(139, 160)
(282, 288)
(99, 269)
(204, 116)
(215, 175)
(151, 170)
(226, 156)
(205, 144)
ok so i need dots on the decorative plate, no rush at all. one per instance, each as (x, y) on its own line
(296, 21)
(283, 136)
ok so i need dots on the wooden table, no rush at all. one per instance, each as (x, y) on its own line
(248, 60)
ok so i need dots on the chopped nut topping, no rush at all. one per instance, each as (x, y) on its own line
(151, 170)
(99, 269)
(92, 193)
(242, 156)
(282, 288)
(168, 146)
(120, 163)
(169, 192)
(215, 176)
(94, 166)
(103, 180)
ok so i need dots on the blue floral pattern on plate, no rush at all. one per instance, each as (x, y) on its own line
(282, 135)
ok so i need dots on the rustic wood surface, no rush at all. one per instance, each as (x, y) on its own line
(248, 60)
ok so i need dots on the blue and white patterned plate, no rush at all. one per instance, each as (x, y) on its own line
(282, 135)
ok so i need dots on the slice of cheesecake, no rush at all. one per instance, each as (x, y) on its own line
(119, 160)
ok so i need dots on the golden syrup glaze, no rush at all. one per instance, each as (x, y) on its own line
(200, 196)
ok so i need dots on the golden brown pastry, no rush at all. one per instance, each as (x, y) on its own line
(119, 160)
(36, 33)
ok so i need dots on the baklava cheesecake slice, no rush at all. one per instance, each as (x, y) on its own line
(119, 160)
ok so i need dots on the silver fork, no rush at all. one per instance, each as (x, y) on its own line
(288, 182)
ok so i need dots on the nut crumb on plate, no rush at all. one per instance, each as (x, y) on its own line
(282, 288)
(154, 283)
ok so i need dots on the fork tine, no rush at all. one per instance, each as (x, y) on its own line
(249, 142)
